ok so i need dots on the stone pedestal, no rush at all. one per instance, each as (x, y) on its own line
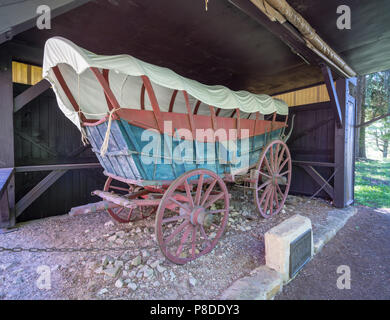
(278, 242)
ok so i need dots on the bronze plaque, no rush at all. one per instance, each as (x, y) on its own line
(300, 252)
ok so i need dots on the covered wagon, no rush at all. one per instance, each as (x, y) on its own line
(170, 144)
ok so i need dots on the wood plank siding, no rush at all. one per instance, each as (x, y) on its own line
(43, 135)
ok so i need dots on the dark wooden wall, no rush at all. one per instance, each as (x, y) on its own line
(43, 135)
(312, 139)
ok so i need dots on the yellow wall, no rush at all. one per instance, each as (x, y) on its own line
(25, 73)
(305, 96)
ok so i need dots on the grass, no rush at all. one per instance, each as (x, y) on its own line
(372, 183)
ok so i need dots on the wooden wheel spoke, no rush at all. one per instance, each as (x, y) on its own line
(284, 173)
(280, 191)
(199, 190)
(276, 198)
(183, 240)
(120, 210)
(276, 157)
(175, 232)
(268, 165)
(179, 204)
(283, 164)
(265, 175)
(264, 185)
(213, 199)
(216, 211)
(188, 192)
(281, 156)
(204, 235)
(208, 191)
(193, 239)
(171, 219)
(129, 214)
(271, 199)
(267, 199)
(271, 158)
(265, 194)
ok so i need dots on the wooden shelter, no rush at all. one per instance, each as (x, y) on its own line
(270, 47)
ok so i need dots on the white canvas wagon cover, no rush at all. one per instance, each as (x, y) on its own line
(125, 82)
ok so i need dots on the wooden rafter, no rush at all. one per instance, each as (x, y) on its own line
(57, 171)
(37, 191)
(334, 100)
(29, 94)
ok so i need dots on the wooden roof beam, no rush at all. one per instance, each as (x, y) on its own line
(284, 31)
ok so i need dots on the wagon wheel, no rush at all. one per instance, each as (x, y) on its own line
(273, 174)
(122, 214)
(192, 215)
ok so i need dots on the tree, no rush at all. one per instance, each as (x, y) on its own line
(361, 115)
(377, 102)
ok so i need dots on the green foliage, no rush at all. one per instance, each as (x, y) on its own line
(377, 102)
(372, 183)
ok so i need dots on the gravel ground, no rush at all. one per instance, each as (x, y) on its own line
(363, 245)
(141, 271)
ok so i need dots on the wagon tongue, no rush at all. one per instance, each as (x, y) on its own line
(114, 198)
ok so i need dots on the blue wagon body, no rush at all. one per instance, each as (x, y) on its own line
(126, 156)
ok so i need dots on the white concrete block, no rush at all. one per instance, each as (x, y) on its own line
(262, 284)
(278, 240)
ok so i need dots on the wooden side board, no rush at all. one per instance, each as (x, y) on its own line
(145, 119)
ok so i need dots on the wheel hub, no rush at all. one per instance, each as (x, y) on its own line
(275, 179)
(198, 216)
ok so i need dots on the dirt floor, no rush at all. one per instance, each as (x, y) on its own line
(141, 271)
(363, 245)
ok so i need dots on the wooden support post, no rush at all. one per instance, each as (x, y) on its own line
(7, 217)
(344, 145)
(6, 176)
(334, 99)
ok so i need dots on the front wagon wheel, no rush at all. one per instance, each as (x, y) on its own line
(273, 178)
(192, 215)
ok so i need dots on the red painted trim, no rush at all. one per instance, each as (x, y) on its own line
(197, 107)
(106, 88)
(153, 100)
(67, 92)
(89, 123)
(142, 97)
(146, 119)
(213, 121)
(105, 76)
(189, 111)
(173, 98)
(238, 124)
